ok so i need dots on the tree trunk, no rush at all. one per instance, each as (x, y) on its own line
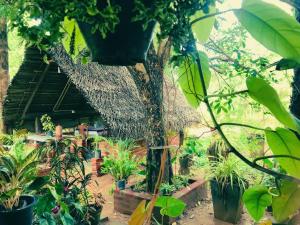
(3, 68)
(295, 98)
(149, 81)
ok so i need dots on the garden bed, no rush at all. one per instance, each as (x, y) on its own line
(126, 201)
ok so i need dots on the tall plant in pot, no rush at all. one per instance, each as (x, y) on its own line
(120, 165)
(48, 125)
(228, 182)
(17, 172)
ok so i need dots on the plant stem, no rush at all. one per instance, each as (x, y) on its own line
(275, 156)
(219, 129)
(227, 95)
(241, 125)
(210, 15)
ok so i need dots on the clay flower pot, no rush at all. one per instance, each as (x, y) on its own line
(96, 166)
(127, 45)
(58, 132)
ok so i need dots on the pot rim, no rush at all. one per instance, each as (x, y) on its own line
(26, 207)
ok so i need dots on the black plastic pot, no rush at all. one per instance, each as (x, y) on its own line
(20, 216)
(227, 201)
(95, 213)
(120, 184)
(127, 45)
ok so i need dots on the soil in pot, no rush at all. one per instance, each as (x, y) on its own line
(22, 213)
(227, 201)
(127, 45)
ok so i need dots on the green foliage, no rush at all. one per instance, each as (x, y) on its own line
(41, 23)
(287, 203)
(189, 78)
(17, 172)
(272, 27)
(203, 28)
(256, 199)
(170, 206)
(285, 142)
(178, 183)
(73, 40)
(120, 165)
(228, 171)
(192, 146)
(266, 95)
(47, 123)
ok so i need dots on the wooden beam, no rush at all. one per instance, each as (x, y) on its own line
(34, 92)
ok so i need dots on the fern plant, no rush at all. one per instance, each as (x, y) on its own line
(17, 172)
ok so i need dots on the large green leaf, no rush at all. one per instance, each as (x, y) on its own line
(170, 206)
(256, 199)
(263, 93)
(79, 42)
(203, 28)
(285, 142)
(287, 204)
(272, 27)
(189, 79)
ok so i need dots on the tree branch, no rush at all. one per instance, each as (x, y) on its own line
(241, 125)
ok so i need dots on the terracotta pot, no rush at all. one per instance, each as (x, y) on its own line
(83, 130)
(43, 170)
(129, 42)
(96, 166)
(58, 132)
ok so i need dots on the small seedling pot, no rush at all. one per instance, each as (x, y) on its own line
(21, 215)
(227, 201)
(120, 184)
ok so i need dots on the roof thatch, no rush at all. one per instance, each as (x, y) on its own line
(110, 92)
(113, 93)
(40, 88)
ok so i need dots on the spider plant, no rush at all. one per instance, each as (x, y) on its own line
(228, 171)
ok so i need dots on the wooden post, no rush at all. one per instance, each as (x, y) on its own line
(4, 77)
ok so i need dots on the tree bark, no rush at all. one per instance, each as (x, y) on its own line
(149, 81)
(295, 98)
(4, 78)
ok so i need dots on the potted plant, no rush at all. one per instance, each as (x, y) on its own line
(227, 181)
(48, 125)
(95, 206)
(120, 165)
(190, 148)
(17, 172)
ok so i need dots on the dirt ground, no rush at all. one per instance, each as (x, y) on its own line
(200, 215)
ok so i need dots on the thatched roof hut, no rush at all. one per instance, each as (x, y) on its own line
(105, 91)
